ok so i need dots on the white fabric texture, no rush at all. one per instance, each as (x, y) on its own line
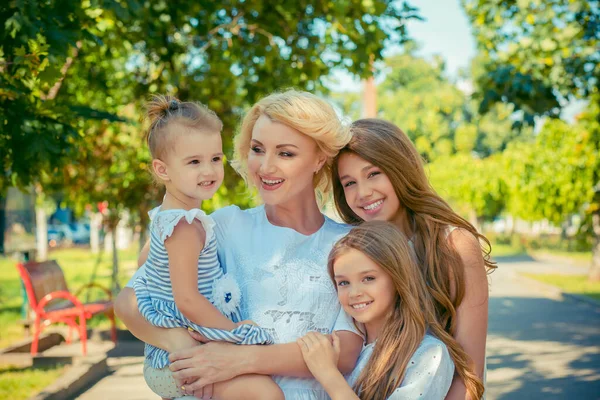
(284, 281)
(154, 292)
(428, 375)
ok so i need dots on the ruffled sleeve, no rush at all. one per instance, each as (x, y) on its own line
(164, 222)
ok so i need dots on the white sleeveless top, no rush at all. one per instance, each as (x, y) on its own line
(428, 374)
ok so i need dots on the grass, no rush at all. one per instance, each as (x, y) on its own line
(78, 266)
(506, 250)
(579, 257)
(510, 250)
(575, 284)
(21, 383)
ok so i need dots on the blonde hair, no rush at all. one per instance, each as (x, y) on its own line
(304, 112)
(413, 315)
(384, 145)
(163, 111)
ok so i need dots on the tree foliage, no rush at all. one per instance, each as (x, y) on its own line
(539, 54)
(64, 63)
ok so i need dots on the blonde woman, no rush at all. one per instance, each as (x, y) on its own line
(277, 252)
(379, 175)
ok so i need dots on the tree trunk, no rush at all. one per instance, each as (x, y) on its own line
(144, 219)
(115, 259)
(594, 274)
(2, 221)
(41, 227)
(95, 226)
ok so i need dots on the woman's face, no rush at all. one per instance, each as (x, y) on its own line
(282, 162)
(368, 191)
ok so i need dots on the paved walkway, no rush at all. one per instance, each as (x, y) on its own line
(540, 346)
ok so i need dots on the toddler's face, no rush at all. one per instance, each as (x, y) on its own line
(195, 164)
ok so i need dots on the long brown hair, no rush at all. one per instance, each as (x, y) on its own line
(414, 313)
(385, 146)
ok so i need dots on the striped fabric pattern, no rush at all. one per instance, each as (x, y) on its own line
(155, 295)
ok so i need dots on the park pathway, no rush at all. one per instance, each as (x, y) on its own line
(540, 345)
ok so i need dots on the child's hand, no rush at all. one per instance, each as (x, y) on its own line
(321, 354)
(246, 322)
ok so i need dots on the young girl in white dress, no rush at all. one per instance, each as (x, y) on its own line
(184, 284)
(407, 354)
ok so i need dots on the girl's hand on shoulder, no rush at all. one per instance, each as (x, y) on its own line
(321, 354)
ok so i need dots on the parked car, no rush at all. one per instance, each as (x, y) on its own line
(80, 233)
(74, 233)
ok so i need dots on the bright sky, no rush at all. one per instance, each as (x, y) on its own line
(445, 31)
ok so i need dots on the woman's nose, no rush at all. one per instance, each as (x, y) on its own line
(267, 165)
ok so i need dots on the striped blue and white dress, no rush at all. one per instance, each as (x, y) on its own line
(155, 294)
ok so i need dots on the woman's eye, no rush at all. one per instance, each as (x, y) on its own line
(286, 154)
(216, 159)
(195, 162)
(256, 149)
(369, 278)
(342, 283)
(374, 173)
(349, 183)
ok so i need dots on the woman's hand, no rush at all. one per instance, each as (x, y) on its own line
(210, 363)
(320, 353)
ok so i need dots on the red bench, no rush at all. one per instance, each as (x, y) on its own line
(51, 302)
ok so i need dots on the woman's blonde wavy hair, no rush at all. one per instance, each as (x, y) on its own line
(413, 315)
(304, 112)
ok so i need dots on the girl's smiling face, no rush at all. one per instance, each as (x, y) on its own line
(368, 191)
(365, 290)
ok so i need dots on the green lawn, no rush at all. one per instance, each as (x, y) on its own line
(576, 257)
(78, 265)
(575, 284)
(22, 383)
(506, 250)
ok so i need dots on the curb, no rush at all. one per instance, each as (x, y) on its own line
(76, 378)
(559, 292)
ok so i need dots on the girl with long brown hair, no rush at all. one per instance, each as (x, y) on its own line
(407, 352)
(380, 175)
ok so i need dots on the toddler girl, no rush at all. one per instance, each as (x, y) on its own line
(184, 285)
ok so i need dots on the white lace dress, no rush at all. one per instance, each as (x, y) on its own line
(284, 281)
(428, 375)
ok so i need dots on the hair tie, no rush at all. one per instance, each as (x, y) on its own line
(173, 105)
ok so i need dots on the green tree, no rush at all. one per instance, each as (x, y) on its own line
(539, 56)
(417, 97)
(74, 130)
(474, 187)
